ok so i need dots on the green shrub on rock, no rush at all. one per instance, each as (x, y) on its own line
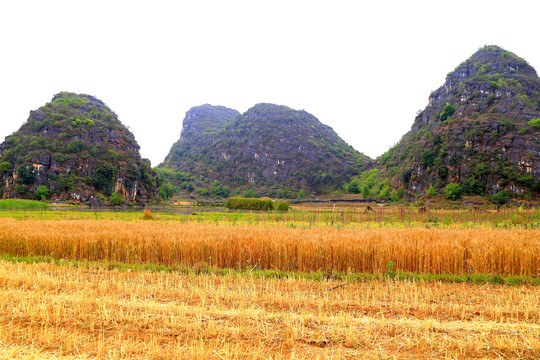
(453, 191)
(117, 199)
(448, 111)
(501, 197)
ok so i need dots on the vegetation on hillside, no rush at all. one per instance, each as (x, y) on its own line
(272, 150)
(478, 131)
(74, 145)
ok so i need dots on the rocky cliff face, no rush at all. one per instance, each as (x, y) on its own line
(268, 147)
(202, 126)
(480, 129)
(75, 147)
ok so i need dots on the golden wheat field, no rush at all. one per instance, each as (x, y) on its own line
(82, 308)
(418, 250)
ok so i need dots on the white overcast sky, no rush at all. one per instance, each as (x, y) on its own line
(362, 67)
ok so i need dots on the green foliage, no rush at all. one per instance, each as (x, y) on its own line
(111, 155)
(203, 191)
(117, 199)
(34, 145)
(483, 69)
(26, 174)
(431, 191)
(453, 191)
(368, 180)
(384, 192)
(474, 186)
(390, 269)
(5, 168)
(16, 204)
(250, 193)
(38, 125)
(494, 85)
(104, 176)
(42, 193)
(187, 186)
(428, 158)
(442, 171)
(66, 182)
(282, 194)
(526, 180)
(77, 122)
(534, 124)
(75, 146)
(94, 151)
(167, 191)
(354, 186)
(370, 185)
(481, 169)
(75, 102)
(282, 206)
(147, 178)
(301, 194)
(21, 189)
(501, 197)
(389, 155)
(448, 111)
(490, 99)
(406, 176)
(61, 159)
(218, 190)
(249, 204)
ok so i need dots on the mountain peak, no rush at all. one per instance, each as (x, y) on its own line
(490, 60)
(477, 130)
(70, 95)
(209, 117)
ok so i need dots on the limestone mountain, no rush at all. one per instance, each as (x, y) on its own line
(74, 147)
(202, 126)
(269, 148)
(481, 129)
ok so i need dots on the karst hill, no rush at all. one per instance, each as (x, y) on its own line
(74, 147)
(479, 130)
(268, 148)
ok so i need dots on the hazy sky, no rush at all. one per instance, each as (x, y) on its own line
(364, 68)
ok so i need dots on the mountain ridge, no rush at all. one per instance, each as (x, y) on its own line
(271, 147)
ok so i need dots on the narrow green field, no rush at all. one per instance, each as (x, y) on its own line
(16, 204)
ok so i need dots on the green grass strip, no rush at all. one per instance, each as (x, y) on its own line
(16, 204)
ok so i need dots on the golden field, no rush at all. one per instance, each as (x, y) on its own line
(90, 297)
(62, 312)
(353, 250)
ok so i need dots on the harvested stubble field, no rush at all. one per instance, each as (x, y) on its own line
(76, 310)
(49, 311)
(417, 250)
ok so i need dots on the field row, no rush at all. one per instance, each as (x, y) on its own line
(418, 250)
(315, 217)
(49, 312)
